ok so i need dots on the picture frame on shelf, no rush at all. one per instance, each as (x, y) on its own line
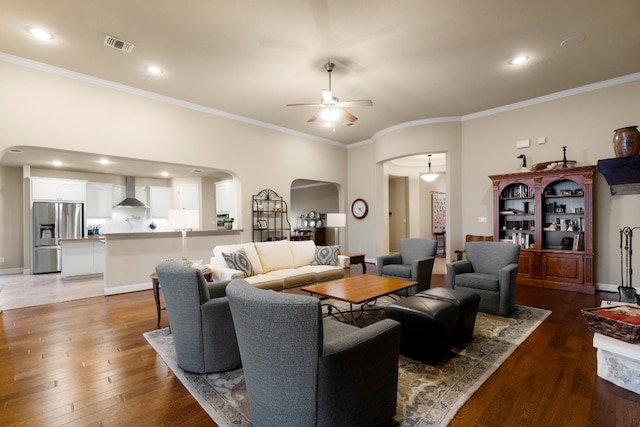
(262, 224)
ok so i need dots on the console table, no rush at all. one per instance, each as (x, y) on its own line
(356, 259)
(207, 273)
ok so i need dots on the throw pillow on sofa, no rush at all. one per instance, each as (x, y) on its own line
(326, 255)
(239, 260)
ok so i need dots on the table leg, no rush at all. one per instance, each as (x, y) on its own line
(156, 296)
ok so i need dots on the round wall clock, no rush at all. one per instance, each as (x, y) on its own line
(359, 208)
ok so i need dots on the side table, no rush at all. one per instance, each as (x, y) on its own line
(356, 259)
(208, 276)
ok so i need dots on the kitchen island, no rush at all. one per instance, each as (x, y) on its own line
(82, 257)
(130, 258)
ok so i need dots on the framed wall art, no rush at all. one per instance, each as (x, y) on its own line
(439, 206)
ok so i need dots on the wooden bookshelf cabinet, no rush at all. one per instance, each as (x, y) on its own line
(549, 213)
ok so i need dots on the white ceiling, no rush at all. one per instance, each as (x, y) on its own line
(415, 59)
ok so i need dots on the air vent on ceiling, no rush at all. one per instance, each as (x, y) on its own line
(118, 44)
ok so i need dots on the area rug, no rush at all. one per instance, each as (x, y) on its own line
(427, 395)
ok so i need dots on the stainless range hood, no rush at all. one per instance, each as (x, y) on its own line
(130, 200)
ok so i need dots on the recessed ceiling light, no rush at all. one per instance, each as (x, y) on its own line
(57, 163)
(154, 69)
(104, 161)
(519, 60)
(40, 34)
(165, 173)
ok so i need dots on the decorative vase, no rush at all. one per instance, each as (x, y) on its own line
(228, 225)
(626, 141)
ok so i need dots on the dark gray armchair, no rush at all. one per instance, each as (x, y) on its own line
(301, 370)
(490, 270)
(200, 319)
(413, 262)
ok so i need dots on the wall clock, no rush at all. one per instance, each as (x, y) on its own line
(359, 208)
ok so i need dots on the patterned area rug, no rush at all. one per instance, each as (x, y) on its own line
(427, 395)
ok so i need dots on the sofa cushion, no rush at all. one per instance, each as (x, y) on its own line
(326, 255)
(294, 277)
(239, 260)
(274, 255)
(266, 281)
(323, 272)
(303, 252)
(249, 248)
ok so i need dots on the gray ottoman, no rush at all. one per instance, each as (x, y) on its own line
(427, 327)
(467, 303)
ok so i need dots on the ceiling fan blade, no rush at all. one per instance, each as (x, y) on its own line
(315, 117)
(358, 103)
(347, 115)
(305, 105)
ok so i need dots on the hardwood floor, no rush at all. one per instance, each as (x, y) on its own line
(86, 362)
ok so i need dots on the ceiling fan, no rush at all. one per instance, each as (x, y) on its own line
(332, 107)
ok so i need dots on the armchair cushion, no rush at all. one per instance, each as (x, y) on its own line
(398, 270)
(239, 260)
(484, 281)
(326, 255)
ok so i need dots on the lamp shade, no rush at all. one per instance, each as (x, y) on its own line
(336, 220)
(184, 219)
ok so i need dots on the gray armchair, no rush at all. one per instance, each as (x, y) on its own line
(200, 319)
(490, 270)
(413, 262)
(301, 370)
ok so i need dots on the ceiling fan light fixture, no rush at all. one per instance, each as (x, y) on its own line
(431, 176)
(330, 114)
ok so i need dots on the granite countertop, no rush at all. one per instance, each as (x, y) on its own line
(163, 234)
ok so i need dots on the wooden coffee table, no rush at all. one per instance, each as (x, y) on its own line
(363, 290)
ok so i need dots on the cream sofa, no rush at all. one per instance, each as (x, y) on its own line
(278, 265)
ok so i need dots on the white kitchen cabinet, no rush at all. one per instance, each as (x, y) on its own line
(82, 257)
(159, 201)
(99, 200)
(223, 196)
(58, 190)
(188, 196)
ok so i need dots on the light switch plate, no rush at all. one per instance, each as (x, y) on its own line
(522, 144)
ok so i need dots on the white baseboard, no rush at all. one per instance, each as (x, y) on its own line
(128, 288)
(8, 271)
(606, 287)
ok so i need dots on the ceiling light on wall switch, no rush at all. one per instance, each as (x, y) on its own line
(542, 140)
(522, 144)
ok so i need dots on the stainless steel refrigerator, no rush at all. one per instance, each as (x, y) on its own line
(53, 221)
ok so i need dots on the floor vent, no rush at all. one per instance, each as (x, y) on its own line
(118, 44)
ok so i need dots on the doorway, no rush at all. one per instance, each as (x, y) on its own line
(398, 208)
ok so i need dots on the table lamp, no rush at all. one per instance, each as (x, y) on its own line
(336, 220)
(183, 220)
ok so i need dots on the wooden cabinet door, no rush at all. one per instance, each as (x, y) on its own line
(559, 267)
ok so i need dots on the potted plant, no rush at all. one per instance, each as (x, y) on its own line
(228, 223)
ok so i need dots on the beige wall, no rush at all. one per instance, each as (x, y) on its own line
(429, 136)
